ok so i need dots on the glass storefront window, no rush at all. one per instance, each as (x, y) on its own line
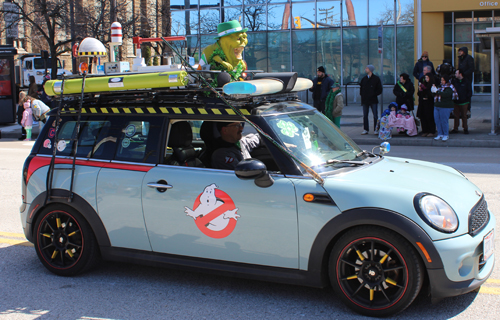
(329, 14)
(278, 54)
(232, 14)
(381, 12)
(304, 60)
(304, 15)
(181, 4)
(255, 53)
(463, 32)
(448, 33)
(482, 65)
(481, 26)
(405, 12)
(209, 19)
(463, 17)
(405, 45)
(387, 53)
(483, 16)
(278, 18)
(355, 54)
(185, 22)
(448, 55)
(355, 13)
(328, 52)
(255, 17)
(448, 18)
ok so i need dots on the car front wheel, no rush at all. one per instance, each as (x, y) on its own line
(375, 271)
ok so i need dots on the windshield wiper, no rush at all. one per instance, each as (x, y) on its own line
(359, 163)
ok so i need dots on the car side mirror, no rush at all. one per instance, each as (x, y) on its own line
(248, 169)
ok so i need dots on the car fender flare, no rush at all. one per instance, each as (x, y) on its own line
(320, 250)
(77, 203)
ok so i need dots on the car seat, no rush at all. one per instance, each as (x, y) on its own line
(183, 152)
(208, 133)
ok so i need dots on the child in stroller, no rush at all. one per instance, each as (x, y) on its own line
(396, 117)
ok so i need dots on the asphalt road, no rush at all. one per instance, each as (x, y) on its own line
(123, 291)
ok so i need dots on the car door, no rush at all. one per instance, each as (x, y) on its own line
(208, 213)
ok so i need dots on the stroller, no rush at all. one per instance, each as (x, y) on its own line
(404, 122)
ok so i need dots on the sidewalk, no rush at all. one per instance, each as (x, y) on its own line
(479, 130)
(352, 124)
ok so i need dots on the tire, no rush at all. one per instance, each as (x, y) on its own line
(375, 271)
(64, 241)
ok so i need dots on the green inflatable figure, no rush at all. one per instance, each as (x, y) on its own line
(226, 53)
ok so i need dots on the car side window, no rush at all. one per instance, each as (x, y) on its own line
(139, 140)
(94, 133)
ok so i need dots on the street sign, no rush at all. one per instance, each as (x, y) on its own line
(11, 18)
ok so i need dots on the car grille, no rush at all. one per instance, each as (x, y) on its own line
(478, 217)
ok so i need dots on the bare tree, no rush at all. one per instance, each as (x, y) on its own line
(47, 20)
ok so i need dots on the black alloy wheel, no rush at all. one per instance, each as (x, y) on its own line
(64, 241)
(375, 271)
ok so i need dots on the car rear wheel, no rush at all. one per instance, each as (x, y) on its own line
(64, 241)
(375, 271)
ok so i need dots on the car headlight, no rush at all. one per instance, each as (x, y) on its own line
(436, 212)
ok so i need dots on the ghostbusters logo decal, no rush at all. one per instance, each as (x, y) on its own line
(229, 159)
(214, 212)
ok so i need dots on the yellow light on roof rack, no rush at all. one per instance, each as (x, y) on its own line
(136, 81)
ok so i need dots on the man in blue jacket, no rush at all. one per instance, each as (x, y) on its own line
(321, 85)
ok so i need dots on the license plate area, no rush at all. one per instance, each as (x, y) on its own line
(488, 245)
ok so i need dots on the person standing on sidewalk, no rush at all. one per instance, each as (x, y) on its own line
(425, 111)
(404, 90)
(466, 64)
(418, 70)
(369, 88)
(463, 87)
(334, 104)
(321, 86)
(443, 106)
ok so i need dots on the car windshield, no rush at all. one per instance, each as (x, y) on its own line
(314, 140)
(40, 63)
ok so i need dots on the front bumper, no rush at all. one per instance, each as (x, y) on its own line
(463, 267)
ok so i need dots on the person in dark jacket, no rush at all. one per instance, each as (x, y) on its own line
(466, 64)
(321, 86)
(425, 111)
(443, 106)
(369, 88)
(404, 90)
(463, 87)
(418, 70)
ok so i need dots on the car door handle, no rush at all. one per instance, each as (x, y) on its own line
(161, 185)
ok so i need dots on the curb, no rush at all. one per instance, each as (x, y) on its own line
(430, 142)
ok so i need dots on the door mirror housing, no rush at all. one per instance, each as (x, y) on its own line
(248, 169)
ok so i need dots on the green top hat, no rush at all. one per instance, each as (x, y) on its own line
(225, 28)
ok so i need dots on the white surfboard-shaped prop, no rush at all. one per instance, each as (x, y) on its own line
(264, 86)
(253, 87)
(302, 84)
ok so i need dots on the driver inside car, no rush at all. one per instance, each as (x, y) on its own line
(231, 147)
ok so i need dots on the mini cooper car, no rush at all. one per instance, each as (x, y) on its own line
(128, 176)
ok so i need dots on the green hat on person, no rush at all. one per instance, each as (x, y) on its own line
(225, 28)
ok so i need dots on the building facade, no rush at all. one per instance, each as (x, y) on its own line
(448, 25)
(300, 35)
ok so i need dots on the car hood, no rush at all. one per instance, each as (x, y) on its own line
(392, 184)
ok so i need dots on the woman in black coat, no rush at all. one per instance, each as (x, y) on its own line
(425, 111)
(404, 90)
